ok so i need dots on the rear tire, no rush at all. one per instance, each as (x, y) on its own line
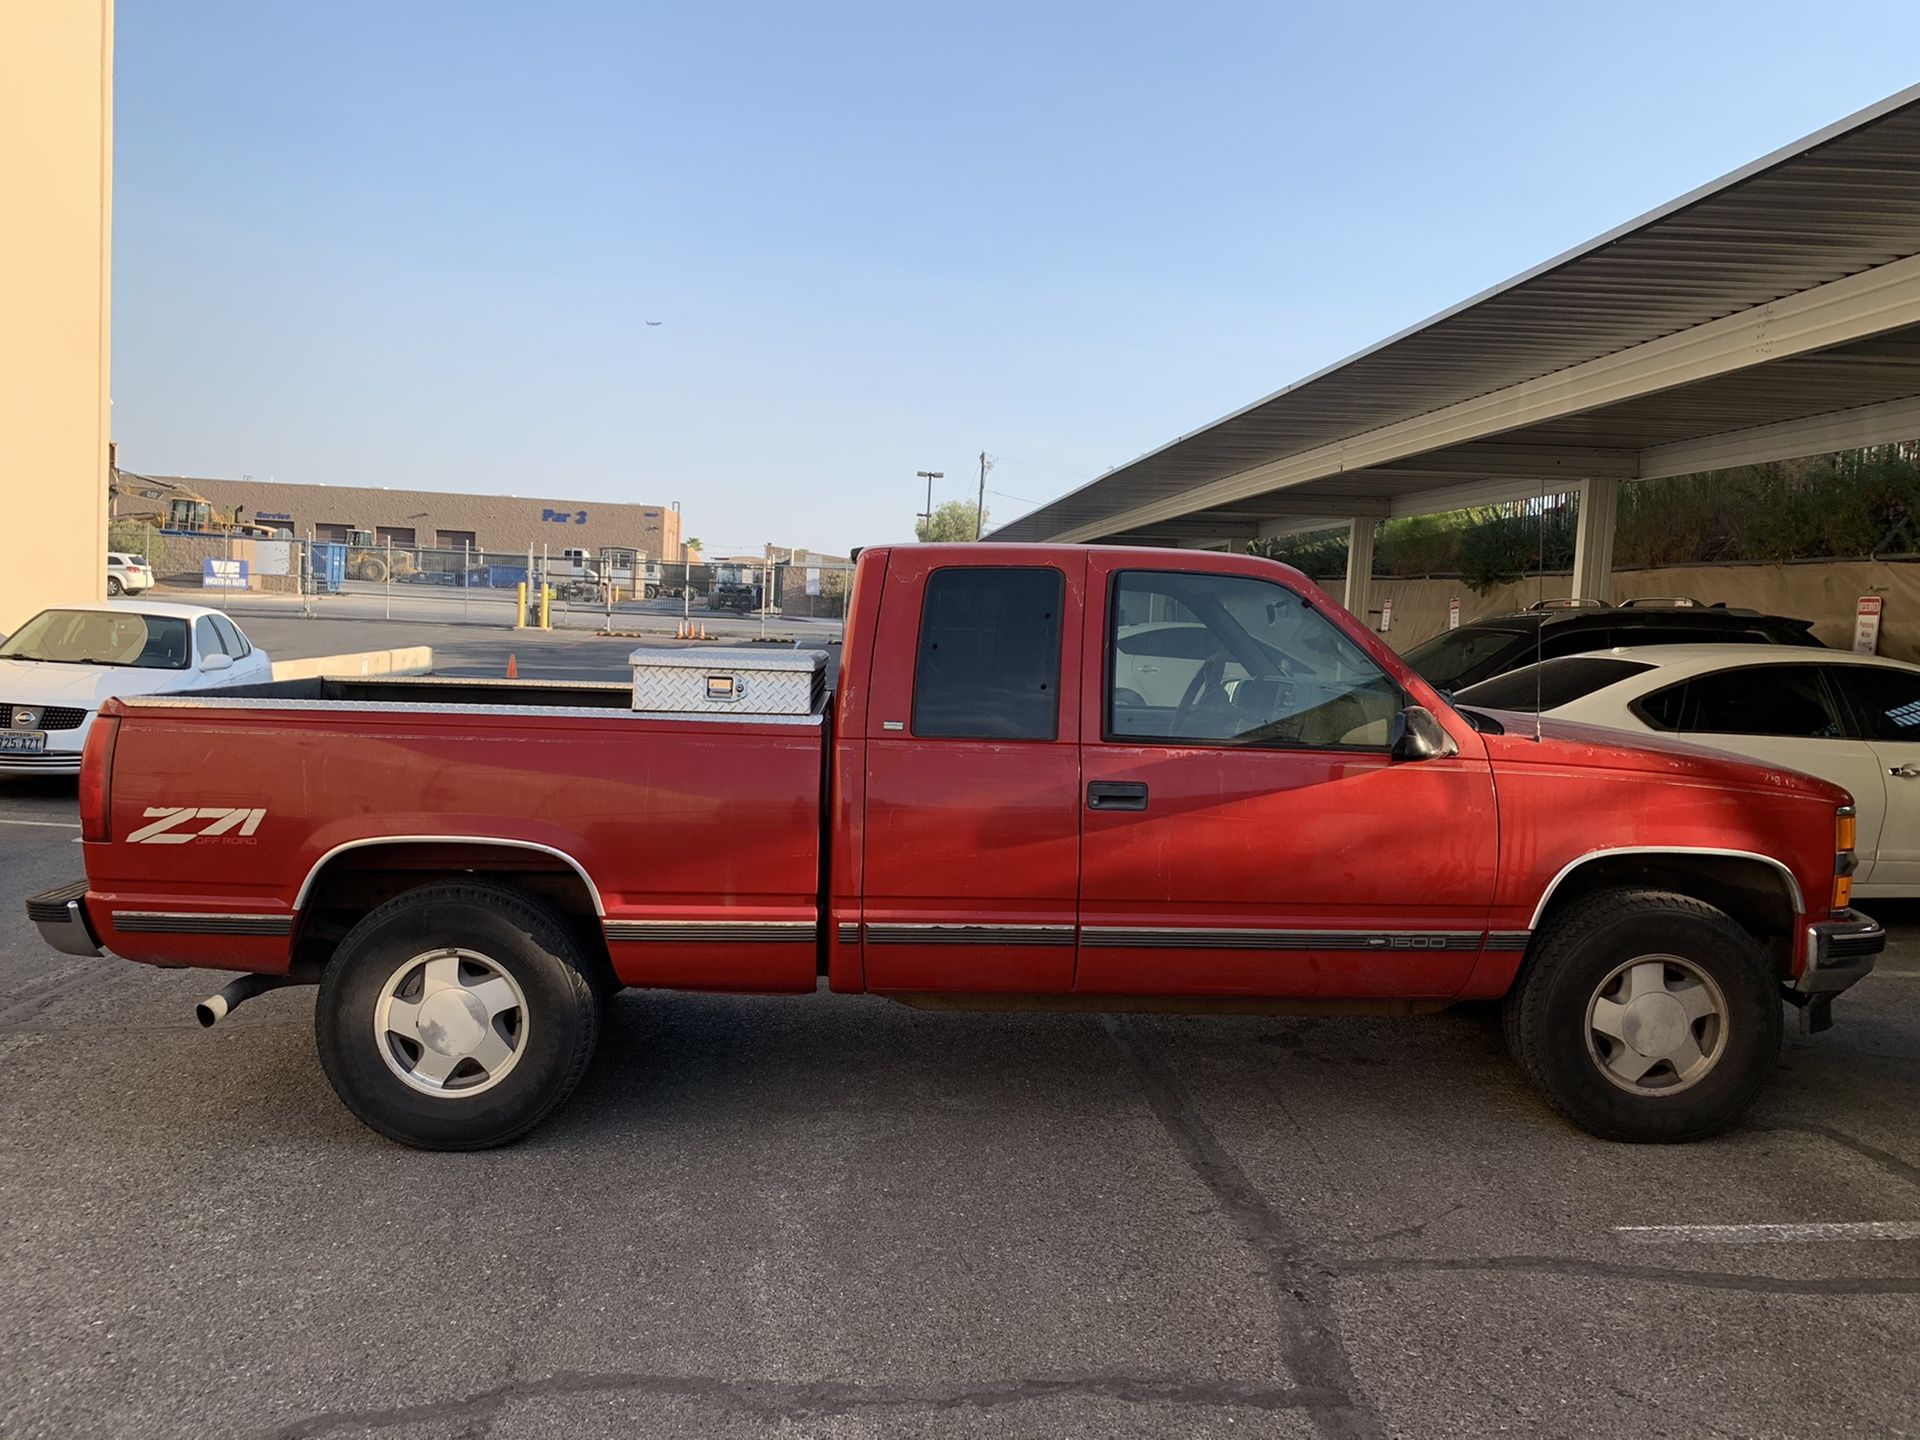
(457, 1016)
(1646, 1016)
(114, 587)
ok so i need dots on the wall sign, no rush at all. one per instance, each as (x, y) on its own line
(564, 517)
(1453, 613)
(223, 574)
(1866, 624)
(1386, 616)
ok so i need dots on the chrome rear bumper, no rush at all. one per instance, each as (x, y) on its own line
(61, 917)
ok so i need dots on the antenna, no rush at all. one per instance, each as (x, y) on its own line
(1540, 575)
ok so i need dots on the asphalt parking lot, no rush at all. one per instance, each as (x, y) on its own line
(839, 1217)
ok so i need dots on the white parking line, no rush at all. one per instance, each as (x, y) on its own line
(46, 824)
(1792, 1234)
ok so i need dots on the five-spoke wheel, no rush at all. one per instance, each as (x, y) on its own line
(457, 1015)
(451, 1021)
(1646, 1015)
(1657, 1024)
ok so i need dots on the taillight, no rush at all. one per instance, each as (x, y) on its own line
(1845, 862)
(96, 779)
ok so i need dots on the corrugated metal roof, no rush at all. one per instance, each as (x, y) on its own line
(1843, 200)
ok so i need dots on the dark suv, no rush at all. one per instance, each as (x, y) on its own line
(1490, 647)
(732, 595)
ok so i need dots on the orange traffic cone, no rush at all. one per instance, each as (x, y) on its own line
(513, 667)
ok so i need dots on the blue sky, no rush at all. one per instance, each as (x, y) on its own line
(414, 244)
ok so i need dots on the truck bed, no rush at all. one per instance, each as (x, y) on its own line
(248, 828)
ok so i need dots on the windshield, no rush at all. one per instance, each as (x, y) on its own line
(1551, 684)
(101, 637)
(1461, 657)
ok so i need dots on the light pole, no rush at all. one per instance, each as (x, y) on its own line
(929, 476)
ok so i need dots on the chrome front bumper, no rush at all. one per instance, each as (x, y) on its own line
(61, 917)
(1840, 954)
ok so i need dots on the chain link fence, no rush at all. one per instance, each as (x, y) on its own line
(620, 591)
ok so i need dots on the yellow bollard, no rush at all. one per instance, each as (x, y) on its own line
(546, 607)
(520, 606)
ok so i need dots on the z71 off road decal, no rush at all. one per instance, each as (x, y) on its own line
(167, 820)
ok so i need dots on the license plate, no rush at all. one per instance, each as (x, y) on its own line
(22, 742)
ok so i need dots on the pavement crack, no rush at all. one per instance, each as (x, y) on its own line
(1419, 1228)
(796, 1400)
(1310, 1341)
(1901, 1169)
(1608, 1270)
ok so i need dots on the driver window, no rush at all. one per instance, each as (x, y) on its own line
(1227, 659)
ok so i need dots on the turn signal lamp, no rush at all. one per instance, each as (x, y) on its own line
(1845, 862)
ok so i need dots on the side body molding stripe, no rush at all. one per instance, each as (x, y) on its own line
(1157, 937)
(680, 932)
(201, 922)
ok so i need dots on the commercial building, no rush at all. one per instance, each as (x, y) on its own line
(500, 523)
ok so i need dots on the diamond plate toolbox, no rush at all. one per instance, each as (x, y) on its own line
(717, 680)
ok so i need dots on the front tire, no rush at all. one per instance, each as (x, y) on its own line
(1644, 1015)
(457, 1016)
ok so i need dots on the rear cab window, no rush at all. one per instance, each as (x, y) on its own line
(987, 665)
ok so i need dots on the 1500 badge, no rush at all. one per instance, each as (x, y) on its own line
(167, 820)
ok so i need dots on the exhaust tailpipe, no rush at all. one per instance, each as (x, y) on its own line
(218, 1007)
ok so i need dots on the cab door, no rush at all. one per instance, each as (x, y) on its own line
(971, 840)
(1246, 830)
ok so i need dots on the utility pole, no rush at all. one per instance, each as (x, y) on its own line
(980, 505)
(929, 476)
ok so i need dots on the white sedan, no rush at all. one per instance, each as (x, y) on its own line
(59, 667)
(1851, 719)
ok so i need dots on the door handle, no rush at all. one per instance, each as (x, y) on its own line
(1909, 771)
(1116, 795)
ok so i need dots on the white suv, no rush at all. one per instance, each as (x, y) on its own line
(127, 574)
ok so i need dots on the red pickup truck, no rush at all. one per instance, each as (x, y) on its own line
(1050, 777)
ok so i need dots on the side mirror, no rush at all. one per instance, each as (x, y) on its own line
(210, 663)
(1416, 735)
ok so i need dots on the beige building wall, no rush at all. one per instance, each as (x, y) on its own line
(1825, 592)
(503, 523)
(56, 197)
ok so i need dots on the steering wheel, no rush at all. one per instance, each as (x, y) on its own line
(1208, 681)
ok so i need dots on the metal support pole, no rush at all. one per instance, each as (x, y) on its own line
(1359, 592)
(980, 504)
(389, 577)
(1593, 539)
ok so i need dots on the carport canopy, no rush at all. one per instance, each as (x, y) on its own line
(1771, 314)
